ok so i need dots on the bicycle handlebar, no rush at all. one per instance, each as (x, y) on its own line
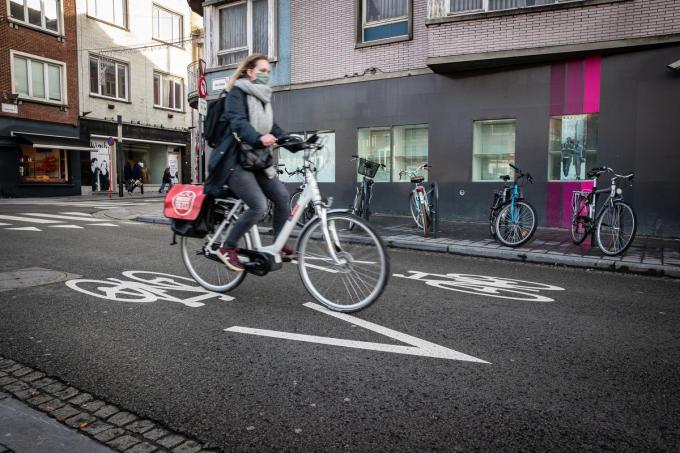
(598, 171)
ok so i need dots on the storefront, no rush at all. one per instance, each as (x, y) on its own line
(556, 120)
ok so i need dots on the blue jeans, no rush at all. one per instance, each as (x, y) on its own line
(254, 188)
(163, 184)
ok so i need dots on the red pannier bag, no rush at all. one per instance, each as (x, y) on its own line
(190, 210)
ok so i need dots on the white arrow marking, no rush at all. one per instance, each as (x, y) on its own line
(66, 226)
(66, 217)
(418, 347)
(24, 229)
(26, 219)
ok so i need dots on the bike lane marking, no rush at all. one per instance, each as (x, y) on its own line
(418, 347)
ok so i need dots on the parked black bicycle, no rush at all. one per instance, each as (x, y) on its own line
(614, 226)
(512, 219)
(362, 200)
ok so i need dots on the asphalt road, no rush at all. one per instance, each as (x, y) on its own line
(588, 363)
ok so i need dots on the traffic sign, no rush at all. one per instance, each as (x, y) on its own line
(202, 87)
(110, 141)
(202, 106)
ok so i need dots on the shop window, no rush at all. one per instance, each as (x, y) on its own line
(168, 92)
(384, 19)
(493, 149)
(108, 78)
(573, 146)
(111, 11)
(43, 14)
(43, 165)
(38, 79)
(244, 28)
(167, 26)
(398, 148)
(323, 160)
(470, 6)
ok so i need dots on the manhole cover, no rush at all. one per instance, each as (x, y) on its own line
(33, 276)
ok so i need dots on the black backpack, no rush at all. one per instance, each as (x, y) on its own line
(216, 123)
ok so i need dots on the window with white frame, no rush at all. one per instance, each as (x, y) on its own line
(108, 78)
(397, 147)
(493, 149)
(245, 27)
(111, 11)
(39, 79)
(167, 26)
(384, 19)
(470, 6)
(45, 14)
(168, 91)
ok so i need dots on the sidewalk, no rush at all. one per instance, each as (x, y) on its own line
(653, 256)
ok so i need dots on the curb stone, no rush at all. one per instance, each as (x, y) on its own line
(123, 431)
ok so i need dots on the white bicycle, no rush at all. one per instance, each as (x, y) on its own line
(344, 272)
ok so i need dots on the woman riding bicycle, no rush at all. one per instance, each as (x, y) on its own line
(250, 116)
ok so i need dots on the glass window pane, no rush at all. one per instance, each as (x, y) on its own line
(16, 9)
(108, 78)
(37, 79)
(164, 26)
(43, 165)
(105, 10)
(34, 13)
(377, 10)
(233, 29)
(261, 26)
(324, 161)
(493, 149)
(94, 75)
(119, 12)
(122, 81)
(573, 146)
(178, 95)
(156, 89)
(410, 150)
(176, 29)
(54, 77)
(231, 58)
(20, 76)
(464, 5)
(154, 22)
(375, 145)
(168, 93)
(51, 14)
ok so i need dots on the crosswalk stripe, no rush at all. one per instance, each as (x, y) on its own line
(24, 229)
(5, 224)
(83, 214)
(102, 224)
(66, 226)
(28, 219)
(66, 217)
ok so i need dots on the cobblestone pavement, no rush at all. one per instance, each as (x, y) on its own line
(105, 423)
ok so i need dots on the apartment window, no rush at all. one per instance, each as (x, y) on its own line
(398, 148)
(111, 11)
(167, 26)
(573, 146)
(244, 28)
(39, 79)
(167, 91)
(470, 6)
(493, 149)
(384, 19)
(108, 78)
(323, 160)
(43, 14)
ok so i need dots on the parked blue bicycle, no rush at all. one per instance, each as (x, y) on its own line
(512, 219)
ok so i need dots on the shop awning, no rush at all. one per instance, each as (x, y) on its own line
(59, 142)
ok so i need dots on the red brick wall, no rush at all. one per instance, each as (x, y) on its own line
(41, 44)
(586, 24)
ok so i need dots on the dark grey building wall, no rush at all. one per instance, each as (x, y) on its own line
(639, 131)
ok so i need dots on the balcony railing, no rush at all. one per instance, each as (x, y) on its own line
(193, 73)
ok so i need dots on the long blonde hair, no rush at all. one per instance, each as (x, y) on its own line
(248, 63)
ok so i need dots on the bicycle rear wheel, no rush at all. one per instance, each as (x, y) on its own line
(206, 268)
(424, 220)
(415, 210)
(616, 228)
(580, 220)
(353, 284)
(357, 207)
(515, 223)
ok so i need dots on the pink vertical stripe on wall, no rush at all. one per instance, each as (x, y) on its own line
(591, 88)
(574, 101)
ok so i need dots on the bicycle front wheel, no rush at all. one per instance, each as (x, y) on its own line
(206, 268)
(616, 228)
(424, 220)
(515, 223)
(293, 200)
(361, 274)
(579, 221)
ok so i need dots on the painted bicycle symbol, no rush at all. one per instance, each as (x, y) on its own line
(144, 287)
(503, 288)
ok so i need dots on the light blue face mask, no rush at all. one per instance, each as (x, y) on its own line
(261, 78)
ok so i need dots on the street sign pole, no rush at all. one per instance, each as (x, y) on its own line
(121, 159)
(202, 111)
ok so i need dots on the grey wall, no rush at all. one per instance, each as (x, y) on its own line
(640, 113)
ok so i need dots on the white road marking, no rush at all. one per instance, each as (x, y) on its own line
(102, 224)
(64, 217)
(418, 346)
(24, 229)
(81, 214)
(5, 224)
(27, 219)
(65, 226)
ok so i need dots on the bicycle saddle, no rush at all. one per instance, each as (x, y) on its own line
(505, 177)
(418, 179)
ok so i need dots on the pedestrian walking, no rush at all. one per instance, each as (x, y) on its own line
(137, 175)
(127, 175)
(167, 180)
